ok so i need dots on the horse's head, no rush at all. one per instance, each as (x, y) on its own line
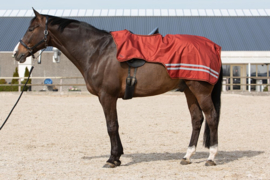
(34, 39)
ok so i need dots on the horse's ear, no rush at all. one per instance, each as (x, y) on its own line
(36, 13)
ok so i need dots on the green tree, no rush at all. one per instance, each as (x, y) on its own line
(3, 81)
(14, 81)
(26, 74)
(15, 74)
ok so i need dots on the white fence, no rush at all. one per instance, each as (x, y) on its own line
(228, 83)
(46, 86)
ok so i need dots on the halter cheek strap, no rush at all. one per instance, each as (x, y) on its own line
(46, 32)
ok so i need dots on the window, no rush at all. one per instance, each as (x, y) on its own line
(226, 70)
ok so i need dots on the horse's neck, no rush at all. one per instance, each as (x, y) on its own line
(71, 42)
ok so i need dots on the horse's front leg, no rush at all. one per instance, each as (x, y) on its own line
(109, 107)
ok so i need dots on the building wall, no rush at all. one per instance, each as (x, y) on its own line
(47, 68)
(7, 65)
(64, 68)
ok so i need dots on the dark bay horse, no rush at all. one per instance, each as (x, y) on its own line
(93, 52)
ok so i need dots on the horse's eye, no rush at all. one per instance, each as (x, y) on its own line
(31, 28)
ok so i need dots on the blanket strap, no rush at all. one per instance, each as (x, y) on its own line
(130, 84)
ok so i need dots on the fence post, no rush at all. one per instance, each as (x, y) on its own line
(259, 85)
(224, 83)
(19, 87)
(61, 87)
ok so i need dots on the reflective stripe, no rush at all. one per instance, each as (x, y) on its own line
(194, 65)
(193, 69)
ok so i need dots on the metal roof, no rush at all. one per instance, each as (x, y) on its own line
(232, 33)
(137, 12)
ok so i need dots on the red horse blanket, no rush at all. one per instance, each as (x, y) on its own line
(184, 56)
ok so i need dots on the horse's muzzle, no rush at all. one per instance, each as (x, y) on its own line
(20, 57)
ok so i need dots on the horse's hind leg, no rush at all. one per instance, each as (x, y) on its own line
(203, 94)
(196, 120)
(109, 107)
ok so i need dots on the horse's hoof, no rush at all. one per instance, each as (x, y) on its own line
(184, 161)
(109, 165)
(117, 163)
(210, 163)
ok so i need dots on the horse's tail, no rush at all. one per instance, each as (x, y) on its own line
(216, 98)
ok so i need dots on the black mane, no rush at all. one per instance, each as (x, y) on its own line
(62, 22)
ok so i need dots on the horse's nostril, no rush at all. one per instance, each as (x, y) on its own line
(14, 54)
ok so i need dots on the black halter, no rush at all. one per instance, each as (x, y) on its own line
(30, 49)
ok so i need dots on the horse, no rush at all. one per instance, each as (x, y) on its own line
(93, 52)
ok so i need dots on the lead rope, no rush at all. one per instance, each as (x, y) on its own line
(34, 58)
(23, 88)
(18, 98)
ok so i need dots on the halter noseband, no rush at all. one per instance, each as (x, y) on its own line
(30, 49)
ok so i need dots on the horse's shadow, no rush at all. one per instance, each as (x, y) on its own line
(223, 157)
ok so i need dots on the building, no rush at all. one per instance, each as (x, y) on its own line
(243, 35)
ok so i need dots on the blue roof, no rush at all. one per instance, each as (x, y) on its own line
(232, 33)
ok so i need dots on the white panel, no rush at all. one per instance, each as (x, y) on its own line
(232, 12)
(141, 12)
(194, 12)
(81, 12)
(179, 12)
(164, 12)
(21, 13)
(74, 12)
(239, 12)
(119, 12)
(262, 12)
(209, 12)
(267, 11)
(247, 12)
(52, 12)
(126, 12)
(172, 12)
(134, 12)
(29, 13)
(203, 13)
(187, 12)
(89, 12)
(97, 12)
(156, 12)
(217, 12)
(104, 12)
(2, 12)
(44, 11)
(59, 12)
(224, 12)
(111, 12)
(8, 12)
(149, 12)
(66, 12)
(254, 12)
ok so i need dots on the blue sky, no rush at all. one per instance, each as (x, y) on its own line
(134, 4)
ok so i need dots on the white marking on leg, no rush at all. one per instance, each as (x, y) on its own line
(15, 49)
(190, 151)
(213, 152)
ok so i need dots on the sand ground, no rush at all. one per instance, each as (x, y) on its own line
(54, 136)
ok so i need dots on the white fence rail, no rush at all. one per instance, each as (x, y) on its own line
(227, 82)
(60, 84)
